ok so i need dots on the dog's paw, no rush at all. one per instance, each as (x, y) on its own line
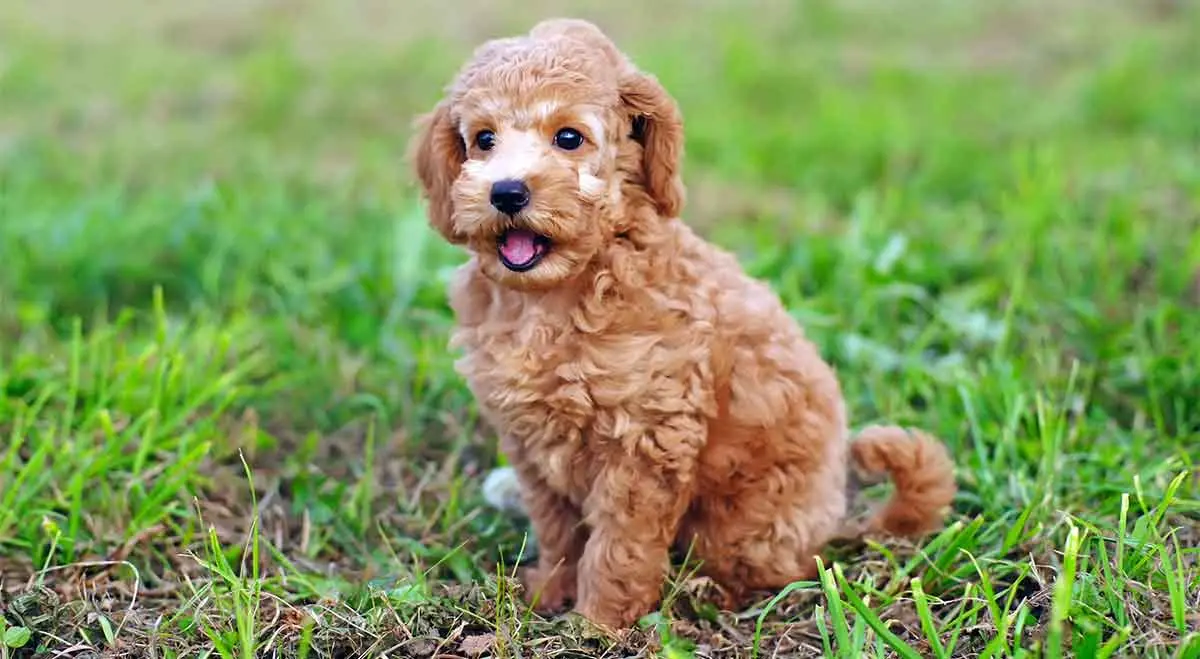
(610, 625)
(548, 594)
(608, 634)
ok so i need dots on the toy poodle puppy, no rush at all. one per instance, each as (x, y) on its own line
(649, 394)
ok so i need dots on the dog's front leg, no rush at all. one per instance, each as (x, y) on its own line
(561, 535)
(634, 512)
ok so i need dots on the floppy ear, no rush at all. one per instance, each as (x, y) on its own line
(439, 153)
(658, 126)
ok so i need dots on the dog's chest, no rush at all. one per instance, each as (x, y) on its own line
(520, 373)
(568, 394)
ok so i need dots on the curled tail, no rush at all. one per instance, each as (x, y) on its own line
(921, 469)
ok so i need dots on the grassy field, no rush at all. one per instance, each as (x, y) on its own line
(229, 423)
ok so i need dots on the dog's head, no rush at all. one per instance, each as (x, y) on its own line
(545, 148)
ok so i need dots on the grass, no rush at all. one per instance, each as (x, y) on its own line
(230, 421)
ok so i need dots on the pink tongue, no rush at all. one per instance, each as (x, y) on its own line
(519, 247)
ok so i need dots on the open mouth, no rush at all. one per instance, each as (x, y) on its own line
(521, 249)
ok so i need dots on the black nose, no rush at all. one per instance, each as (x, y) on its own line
(510, 196)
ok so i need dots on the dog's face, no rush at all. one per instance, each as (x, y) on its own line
(542, 148)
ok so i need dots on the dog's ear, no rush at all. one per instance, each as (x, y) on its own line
(438, 152)
(656, 123)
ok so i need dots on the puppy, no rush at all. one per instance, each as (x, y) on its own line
(649, 394)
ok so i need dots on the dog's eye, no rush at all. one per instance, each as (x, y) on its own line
(568, 139)
(485, 140)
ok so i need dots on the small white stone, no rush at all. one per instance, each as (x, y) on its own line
(502, 491)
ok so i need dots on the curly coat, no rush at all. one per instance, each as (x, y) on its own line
(649, 393)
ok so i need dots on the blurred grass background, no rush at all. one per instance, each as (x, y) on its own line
(987, 214)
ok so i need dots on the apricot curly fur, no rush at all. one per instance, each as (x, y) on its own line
(649, 393)
(922, 472)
